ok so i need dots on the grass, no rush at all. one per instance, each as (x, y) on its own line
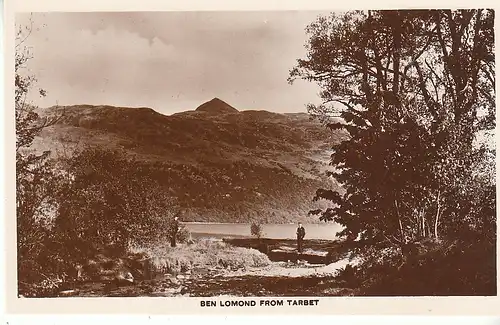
(203, 253)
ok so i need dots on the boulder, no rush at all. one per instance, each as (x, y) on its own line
(68, 293)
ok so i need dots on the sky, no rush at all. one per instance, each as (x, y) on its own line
(170, 61)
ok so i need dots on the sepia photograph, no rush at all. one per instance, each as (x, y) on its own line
(255, 154)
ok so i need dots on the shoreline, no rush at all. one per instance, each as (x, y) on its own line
(282, 231)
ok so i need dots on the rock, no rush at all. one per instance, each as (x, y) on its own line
(180, 276)
(139, 265)
(124, 276)
(222, 263)
(69, 292)
(118, 275)
(146, 268)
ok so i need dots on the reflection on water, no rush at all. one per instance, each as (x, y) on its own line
(278, 231)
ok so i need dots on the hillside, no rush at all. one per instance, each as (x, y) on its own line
(217, 163)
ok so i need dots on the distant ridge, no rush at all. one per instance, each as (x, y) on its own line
(216, 106)
(217, 164)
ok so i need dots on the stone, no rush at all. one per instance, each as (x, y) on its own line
(69, 292)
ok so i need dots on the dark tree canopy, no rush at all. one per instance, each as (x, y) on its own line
(413, 88)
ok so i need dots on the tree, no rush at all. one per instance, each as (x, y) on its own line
(256, 229)
(413, 88)
(112, 201)
(37, 184)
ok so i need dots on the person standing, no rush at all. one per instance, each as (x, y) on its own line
(301, 233)
(174, 229)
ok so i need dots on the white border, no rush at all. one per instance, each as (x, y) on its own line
(170, 306)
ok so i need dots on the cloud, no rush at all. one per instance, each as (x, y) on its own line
(170, 61)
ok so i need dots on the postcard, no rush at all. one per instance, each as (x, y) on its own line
(270, 159)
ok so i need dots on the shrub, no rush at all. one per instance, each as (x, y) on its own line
(347, 274)
(256, 229)
(438, 269)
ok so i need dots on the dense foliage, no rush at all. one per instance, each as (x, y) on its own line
(415, 90)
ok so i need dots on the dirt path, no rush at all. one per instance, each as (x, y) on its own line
(278, 279)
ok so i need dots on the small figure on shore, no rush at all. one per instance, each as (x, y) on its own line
(174, 229)
(301, 233)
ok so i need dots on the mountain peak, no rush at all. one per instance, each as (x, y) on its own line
(218, 106)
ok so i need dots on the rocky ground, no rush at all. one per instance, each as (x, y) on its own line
(277, 279)
(289, 274)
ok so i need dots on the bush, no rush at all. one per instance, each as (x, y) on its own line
(348, 274)
(256, 229)
(437, 269)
